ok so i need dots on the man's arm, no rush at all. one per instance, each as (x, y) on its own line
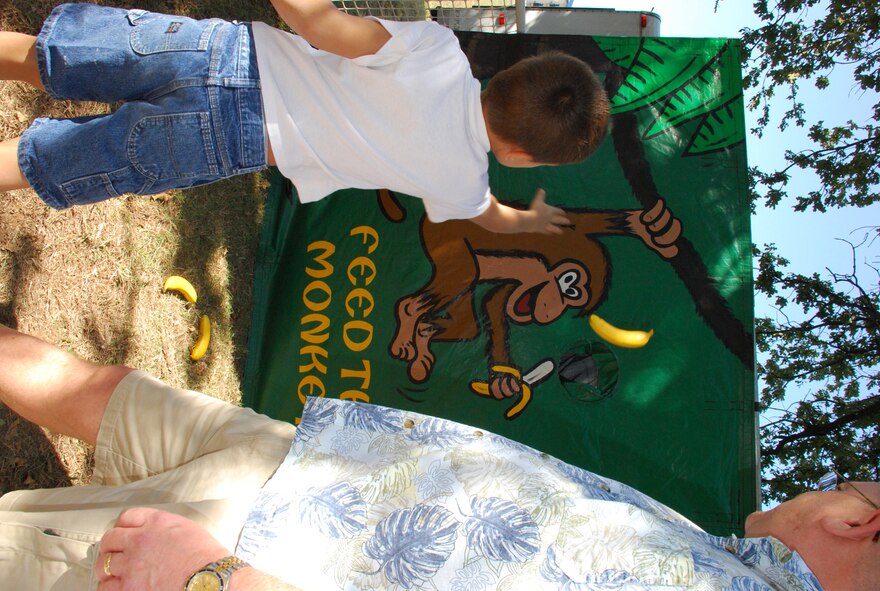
(539, 217)
(325, 27)
(157, 550)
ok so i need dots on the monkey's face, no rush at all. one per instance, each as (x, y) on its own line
(544, 299)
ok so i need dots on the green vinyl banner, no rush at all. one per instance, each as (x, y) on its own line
(623, 345)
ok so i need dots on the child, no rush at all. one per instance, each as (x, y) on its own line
(350, 102)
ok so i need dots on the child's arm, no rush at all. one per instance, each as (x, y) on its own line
(324, 26)
(539, 217)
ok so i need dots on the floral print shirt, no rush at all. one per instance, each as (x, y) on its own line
(377, 498)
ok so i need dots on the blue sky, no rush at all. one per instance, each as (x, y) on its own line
(808, 240)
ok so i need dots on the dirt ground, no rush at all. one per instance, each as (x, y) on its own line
(90, 279)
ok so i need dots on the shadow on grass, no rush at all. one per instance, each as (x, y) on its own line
(219, 227)
(28, 459)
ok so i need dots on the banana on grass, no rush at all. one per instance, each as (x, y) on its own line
(201, 347)
(630, 339)
(182, 286)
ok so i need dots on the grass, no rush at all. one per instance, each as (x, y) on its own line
(90, 279)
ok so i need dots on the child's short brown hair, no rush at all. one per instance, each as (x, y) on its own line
(550, 105)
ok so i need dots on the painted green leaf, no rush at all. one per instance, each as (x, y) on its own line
(655, 69)
(684, 84)
(722, 128)
(702, 94)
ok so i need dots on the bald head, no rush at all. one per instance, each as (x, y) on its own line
(833, 532)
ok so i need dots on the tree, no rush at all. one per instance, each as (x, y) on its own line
(794, 47)
(832, 350)
(819, 356)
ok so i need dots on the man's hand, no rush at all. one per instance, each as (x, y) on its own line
(155, 550)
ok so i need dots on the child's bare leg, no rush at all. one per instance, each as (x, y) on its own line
(18, 61)
(11, 177)
(18, 58)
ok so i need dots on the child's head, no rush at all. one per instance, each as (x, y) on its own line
(551, 106)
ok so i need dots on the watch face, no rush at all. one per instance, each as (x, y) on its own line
(205, 581)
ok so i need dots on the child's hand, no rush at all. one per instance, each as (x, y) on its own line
(540, 217)
(547, 218)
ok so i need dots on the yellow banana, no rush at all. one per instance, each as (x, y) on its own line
(631, 339)
(201, 346)
(181, 286)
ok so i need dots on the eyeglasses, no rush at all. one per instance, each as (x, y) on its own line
(833, 480)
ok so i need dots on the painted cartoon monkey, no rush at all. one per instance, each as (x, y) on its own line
(536, 278)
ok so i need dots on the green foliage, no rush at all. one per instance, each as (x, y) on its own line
(819, 355)
(800, 42)
(831, 350)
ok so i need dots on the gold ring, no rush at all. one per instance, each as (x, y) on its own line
(107, 565)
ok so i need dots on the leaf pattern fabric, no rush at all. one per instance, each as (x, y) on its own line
(374, 498)
(372, 418)
(413, 544)
(315, 422)
(436, 433)
(501, 530)
(337, 511)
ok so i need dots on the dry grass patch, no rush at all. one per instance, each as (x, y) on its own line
(90, 278)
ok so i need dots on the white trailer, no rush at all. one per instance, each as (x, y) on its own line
(548, 17)
(550, 20)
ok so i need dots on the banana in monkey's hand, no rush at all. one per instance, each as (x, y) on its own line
(201, 346)
(181, 286)
(631, 339)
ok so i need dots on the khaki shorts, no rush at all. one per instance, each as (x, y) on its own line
(160, 447)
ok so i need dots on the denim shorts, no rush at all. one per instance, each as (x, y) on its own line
(192, 111)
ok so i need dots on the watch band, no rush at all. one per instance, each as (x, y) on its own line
(222, 568)
(226, 566)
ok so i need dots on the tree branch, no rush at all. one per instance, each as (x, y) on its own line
(817, 430)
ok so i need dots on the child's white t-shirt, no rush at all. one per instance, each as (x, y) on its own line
(407, 118)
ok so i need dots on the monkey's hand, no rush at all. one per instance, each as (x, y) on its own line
(657, 228)
(505, 382)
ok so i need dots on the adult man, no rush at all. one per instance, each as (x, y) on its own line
(366, 497)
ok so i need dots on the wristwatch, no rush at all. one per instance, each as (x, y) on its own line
(214, 576)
